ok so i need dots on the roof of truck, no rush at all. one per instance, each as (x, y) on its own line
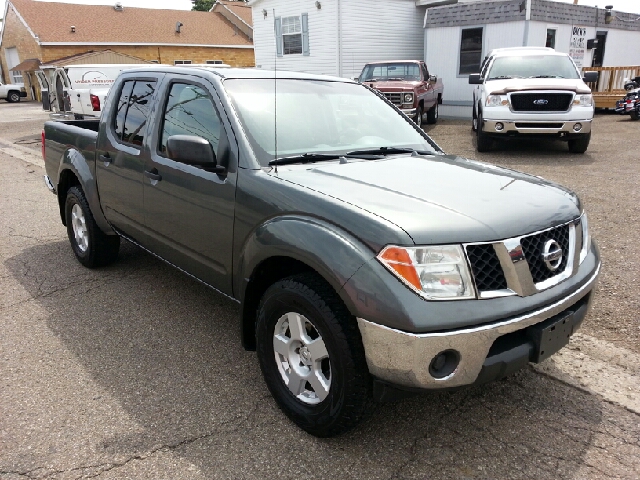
(523, 51)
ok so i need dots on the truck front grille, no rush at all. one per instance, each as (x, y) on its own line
(533, 247)
(394, 97)
(486, 268)
(541, 102)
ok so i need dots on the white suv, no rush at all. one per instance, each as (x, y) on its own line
(532, 91)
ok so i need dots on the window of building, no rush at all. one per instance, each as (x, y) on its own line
(133, 110)
(190, 111)
(182, 62)
(214, 62)
(470, 50)
(291, 35)
(551, 38)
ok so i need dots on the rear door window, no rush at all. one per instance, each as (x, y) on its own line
(139, 107)
(123, 104)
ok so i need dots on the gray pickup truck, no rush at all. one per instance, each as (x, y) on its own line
(367, 263)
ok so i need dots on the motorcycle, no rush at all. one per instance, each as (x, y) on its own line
(630, 103)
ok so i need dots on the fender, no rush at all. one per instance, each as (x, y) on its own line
(331, 251)
(75, 161)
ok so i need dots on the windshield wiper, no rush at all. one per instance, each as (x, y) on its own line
(304, 158)
(387, 151)
(547, 76)
(502, 77)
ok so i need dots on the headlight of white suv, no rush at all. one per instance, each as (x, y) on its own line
(583, 100)
(586, 237)
(496, 101)
(435, 272)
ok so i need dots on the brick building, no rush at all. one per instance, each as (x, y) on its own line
(46, 31)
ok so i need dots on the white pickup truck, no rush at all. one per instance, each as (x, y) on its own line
(12, 92)
(532, 91)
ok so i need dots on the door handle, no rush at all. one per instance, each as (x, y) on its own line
(106, 159)
(153, 175)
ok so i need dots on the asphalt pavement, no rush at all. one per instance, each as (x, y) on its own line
(136, 371)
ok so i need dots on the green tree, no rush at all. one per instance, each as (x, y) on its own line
(202, 5)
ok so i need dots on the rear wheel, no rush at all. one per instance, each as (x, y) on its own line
(13, 97)
(580, 145)
(91, 246)
(432, 114)
(311, 355)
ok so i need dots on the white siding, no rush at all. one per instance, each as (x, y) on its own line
(377, 30)
(371, 30)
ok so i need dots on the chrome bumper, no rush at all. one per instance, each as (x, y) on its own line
(403, 358)
(409, 112)
(537, 126)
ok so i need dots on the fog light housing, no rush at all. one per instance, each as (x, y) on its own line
(499, 126)
(577, 127)
(444, 364)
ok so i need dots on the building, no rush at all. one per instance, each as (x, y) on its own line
(46, 31)
(458, 36)
(335, 37)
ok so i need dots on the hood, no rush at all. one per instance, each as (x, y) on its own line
(393, 85)
(502, 87)
(442, 199)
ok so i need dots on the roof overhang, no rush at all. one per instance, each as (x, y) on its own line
(106, 44)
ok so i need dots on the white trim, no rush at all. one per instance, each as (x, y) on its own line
(234, 14)
(146, 44)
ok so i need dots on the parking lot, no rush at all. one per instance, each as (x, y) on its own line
(136, 370)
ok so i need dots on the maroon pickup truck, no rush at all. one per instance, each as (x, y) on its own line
(408, 85)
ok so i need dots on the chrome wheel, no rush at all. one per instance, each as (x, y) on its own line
(79, 224)
(302, 358)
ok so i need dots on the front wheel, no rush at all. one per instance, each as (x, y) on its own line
(311, 356)
(634, 115)
(483, 141)
(13, 97)
(432, 114)
(91, 246)
(580, 145)
(419, 113)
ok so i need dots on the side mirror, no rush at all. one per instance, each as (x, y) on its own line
(194, 151)
(590, 77)
(475, 79)
(356, 79)
(433, 78)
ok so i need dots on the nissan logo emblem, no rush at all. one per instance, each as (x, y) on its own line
(540, 101)
(552, 255)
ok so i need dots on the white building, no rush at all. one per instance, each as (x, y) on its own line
(335, 37)
(458, 35)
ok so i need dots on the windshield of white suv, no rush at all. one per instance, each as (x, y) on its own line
(532, 66)
(382, 72)
(318, 117)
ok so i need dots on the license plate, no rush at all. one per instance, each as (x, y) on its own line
(551, 335)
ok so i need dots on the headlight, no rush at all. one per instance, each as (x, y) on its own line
(586, 237)
(497, 101)
(408, 98)
(583, 100)
(436, 273)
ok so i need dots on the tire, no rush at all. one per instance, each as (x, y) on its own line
(91, 246)
(13, 97)
(580, 145)
(474, 122)
(484, 141)
(341, 395)
(432, 114)
(634, 115)
(419, 114)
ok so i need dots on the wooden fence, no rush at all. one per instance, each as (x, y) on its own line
(610, 84)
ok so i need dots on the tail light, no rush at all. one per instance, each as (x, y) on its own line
(95, 103)
(43, 148)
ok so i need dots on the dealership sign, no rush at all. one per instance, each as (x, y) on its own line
(578, 44)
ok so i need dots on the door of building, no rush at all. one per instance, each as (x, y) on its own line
(598, 52)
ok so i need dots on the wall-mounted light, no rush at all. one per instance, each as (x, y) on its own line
(73, 29)
(264, 13)
(318, 5)
(608, 16)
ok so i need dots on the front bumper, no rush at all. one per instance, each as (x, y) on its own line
(409, 112)
(551, 127)
(404, 359)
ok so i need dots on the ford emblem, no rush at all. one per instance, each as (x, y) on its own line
(540, 101)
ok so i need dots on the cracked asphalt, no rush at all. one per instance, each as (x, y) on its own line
(136, 371)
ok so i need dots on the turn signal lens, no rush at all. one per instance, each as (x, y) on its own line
(583, 100)
(497, 101)
(435, 272)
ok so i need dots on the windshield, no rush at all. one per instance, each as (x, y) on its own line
(390, 71)
(318, 117)
(533, 66)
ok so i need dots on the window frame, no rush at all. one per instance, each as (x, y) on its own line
(182, 62)
(282, 34)
(112, 120)
(482, 49)
(165, 101)
(214, 62)
(555, 36)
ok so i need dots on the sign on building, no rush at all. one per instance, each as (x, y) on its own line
(578, 44)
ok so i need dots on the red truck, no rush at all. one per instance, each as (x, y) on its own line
(408, 85)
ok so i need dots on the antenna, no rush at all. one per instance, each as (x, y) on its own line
(275, 91)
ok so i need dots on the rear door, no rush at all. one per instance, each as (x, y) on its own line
(120, 156)
(189, 212)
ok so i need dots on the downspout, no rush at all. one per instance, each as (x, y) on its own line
(339, 24)
(527, 20)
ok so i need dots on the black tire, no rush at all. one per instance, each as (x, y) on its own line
(474, 121)
(432, 114)
(13, 97)
(100, 249)
(634, 115)
(580, 145)
(349, 393)
(419, 113)
(483, 141)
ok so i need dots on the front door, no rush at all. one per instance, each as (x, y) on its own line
(189, 211)
(598, 52)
